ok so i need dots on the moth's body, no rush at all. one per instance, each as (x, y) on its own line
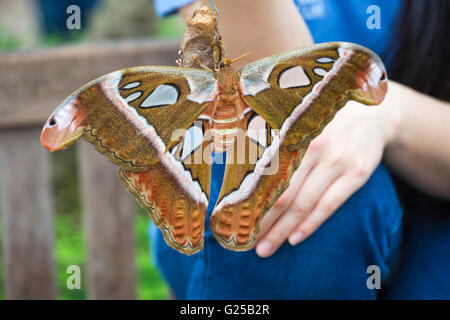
(227, 110)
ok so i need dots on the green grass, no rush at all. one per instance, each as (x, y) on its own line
(150, 284)
(70, 250)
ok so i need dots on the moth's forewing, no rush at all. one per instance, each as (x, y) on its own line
(299, 92)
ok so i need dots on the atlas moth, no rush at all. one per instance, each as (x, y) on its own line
(131, 115)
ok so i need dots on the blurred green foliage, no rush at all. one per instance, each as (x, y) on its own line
(8, 42)
(169, 27)
(150, 283)
(56, 39)
(70, 250)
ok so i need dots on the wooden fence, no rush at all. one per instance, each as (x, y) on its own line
(32, 84)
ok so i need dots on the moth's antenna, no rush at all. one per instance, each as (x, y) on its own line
(214, 8)
(204, 66)
(240, 57)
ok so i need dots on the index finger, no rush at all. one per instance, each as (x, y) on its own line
(285, 200)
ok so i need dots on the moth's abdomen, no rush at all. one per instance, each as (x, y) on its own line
(225, 126)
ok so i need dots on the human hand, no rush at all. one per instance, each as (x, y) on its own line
(337, 163)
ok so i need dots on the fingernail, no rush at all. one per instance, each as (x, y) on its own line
(264, 249)
(295, 238)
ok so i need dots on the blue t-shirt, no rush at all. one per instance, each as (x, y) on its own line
(368, 22)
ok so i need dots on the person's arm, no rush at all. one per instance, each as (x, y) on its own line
(420, 151)
(412, 127)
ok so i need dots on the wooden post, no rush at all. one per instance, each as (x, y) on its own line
(108, 221)
(25, 199)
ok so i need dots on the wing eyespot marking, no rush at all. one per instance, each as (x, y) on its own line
(293, 77)
(162, 95)
(320, 72)
(131, 85)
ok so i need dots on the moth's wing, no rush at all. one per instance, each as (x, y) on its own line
(300, 91)
(297, 93)
(132, 114)
(178, 211)
(258, 169)
(136, 117)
